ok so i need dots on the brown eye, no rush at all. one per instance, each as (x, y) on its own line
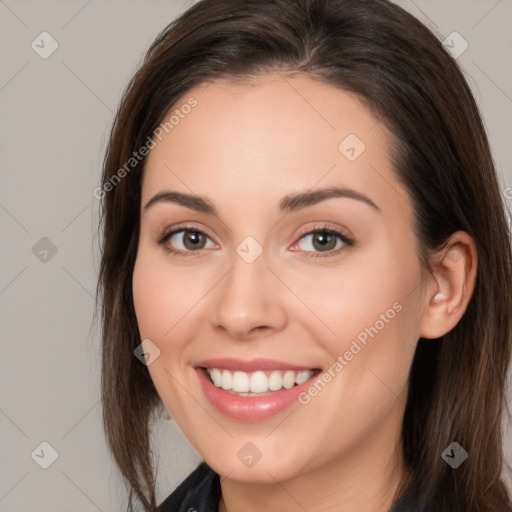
(193, 240)
(323, 240)
(185, 241)
(188, 240)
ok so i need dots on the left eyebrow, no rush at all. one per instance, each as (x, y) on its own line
(294, 202)
(289, 203)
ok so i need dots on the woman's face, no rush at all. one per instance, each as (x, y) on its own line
(254, 281)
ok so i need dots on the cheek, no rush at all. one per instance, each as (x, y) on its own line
(368, 289)
(374, 317)
(371, 307)
(147, 298)
(160, 301)
(162, 295)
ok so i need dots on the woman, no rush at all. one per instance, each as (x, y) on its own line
(306, 246)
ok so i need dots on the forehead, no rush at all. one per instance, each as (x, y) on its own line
(274, 135)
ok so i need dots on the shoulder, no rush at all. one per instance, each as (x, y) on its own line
(200, 491)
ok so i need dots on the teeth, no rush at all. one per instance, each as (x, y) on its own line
(227, 380)
(240, 382)
(216, 376)
(257, 382)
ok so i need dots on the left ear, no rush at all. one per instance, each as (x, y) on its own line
(449, 290)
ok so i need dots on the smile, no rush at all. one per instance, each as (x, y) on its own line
(255, 383)
(252, 390)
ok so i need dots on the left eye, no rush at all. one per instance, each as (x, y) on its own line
(322, 241)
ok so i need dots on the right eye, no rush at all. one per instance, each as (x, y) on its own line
(188, 239)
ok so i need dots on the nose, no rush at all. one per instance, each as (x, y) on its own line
(248, 302)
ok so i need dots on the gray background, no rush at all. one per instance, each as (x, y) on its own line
(56, 114)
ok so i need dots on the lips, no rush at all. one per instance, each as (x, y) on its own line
(248, 405)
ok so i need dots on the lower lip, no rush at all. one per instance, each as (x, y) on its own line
(250, 408)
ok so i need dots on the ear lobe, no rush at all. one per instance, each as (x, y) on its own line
(450, 287)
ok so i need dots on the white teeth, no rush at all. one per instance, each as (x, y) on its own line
(289, 379)
(227, 380)
(302, 376)
(240, 382)
(275, 381)
(259, 381)
(216, 376)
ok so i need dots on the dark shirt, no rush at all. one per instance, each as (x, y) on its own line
(200, 492)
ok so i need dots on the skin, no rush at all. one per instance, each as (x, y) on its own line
(244, 147)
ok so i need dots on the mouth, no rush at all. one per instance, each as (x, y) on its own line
(253, 390)
(259, 382)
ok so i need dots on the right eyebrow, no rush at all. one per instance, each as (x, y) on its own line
(192, 201)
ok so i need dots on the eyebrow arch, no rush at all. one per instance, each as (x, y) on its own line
(302, 200)
(289, 203)
(192, 201)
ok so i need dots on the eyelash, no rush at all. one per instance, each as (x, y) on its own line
(349, 242)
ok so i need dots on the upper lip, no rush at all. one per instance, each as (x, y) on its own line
(249, 365)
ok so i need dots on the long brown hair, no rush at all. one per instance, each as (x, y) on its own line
(401, 71)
